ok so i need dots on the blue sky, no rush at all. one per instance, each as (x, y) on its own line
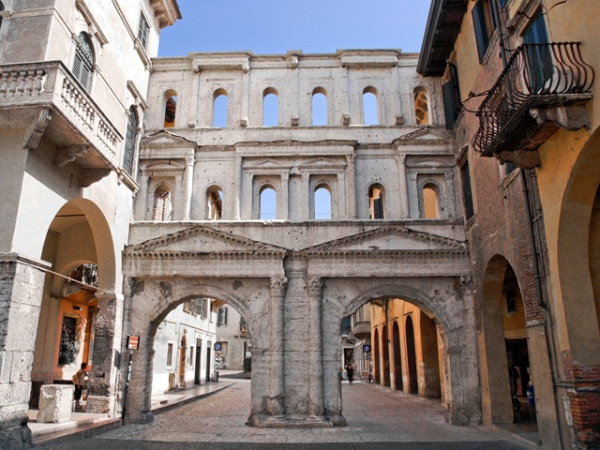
(313, 26)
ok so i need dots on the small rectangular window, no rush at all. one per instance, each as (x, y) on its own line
(467, 190)
(143, 31)
(170, 355)
(222, 316)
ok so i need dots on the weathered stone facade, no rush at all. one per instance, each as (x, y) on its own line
(295, 278)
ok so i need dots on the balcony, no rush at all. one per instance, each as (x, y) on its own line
(544, 87)
(48, 97)
(362, 330)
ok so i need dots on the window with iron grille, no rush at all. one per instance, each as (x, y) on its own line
(452, 103)
(467, 190)
(132, 125)
(83, 64)
(169, 354)
(143, 31)
(509, 168)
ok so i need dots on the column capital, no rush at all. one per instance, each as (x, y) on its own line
(278, 286)
(313, 286)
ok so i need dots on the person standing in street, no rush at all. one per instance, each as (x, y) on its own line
(350, 371)
(80, 380)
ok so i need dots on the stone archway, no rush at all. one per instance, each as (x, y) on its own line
(147, 316)
(343, 298)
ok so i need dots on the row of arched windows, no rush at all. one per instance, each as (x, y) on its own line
(322, 203)
(320, 113)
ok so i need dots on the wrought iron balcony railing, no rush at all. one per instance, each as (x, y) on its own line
(77, 119)
(536, 76)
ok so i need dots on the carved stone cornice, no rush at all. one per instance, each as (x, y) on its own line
(187, 255)
(388, 254)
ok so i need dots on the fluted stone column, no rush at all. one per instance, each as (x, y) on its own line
(404, 206)
(314, 287)
(351, 179)
(276, 404)
(188, 181)
(104, 376)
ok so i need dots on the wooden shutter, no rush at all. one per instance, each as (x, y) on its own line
(83, 63)
(539, 57)
(132, 124)
(143, 31)
(481, 34)
(467, 191)
(451, 93)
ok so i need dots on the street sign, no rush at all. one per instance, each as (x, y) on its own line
(133, 342)
(366, 348)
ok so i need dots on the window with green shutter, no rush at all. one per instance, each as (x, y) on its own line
(451, 93)
(465, 176)
(483, 24)
(130, 139)
(143, 31)
(83, 64)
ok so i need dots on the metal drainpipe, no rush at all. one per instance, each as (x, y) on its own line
(536, 244)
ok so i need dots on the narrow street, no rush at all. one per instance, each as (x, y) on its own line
(377, 419)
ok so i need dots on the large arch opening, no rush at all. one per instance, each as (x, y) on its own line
(504, 359)
(395, 343)
(80, 249)
(197, 342)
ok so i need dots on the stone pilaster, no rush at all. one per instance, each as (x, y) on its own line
(276, 401)
(351, 180)
(314, 288)
(104, 376)
(21, 287)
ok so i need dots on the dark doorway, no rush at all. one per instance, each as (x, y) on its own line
(397, 358)
(198, 361)
(208, 356)
(411, 356)
(386, 356)
(376, 357)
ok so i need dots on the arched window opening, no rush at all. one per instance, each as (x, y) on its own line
(322, 203)
(215, 204)
(376, 202)
(170, 108)
(83, 64)
(270, 108)
(163, 207)
(268, 204)
(130, 141)
(319, 107)
(220, 104)
(370, 109)
(430, 201)
(421, 107)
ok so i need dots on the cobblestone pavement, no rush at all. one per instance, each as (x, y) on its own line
(378, 419)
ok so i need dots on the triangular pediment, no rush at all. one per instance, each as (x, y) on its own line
(266, 163)
(166, 139)
(426, 134)
(319, 162)
(203, 239)
(389, 238)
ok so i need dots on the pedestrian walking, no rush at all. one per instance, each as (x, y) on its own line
(350, 371)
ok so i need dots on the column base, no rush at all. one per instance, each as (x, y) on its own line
(100, 405)
(275, 406)
(139, 418)
(14, 432)
(290, 421)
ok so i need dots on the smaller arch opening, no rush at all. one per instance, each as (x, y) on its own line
(220, 106)
(170, 108)
(270, 107)
(268, 203)
(215, 203)
(370, 107)
(376, 202)
(319, 107)
(322, 202)
(163, 207)
(431, 207)
(421, 106)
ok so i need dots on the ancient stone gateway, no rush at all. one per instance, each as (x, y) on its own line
(394, 230)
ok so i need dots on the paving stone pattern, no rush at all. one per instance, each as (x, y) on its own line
(378, 419)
